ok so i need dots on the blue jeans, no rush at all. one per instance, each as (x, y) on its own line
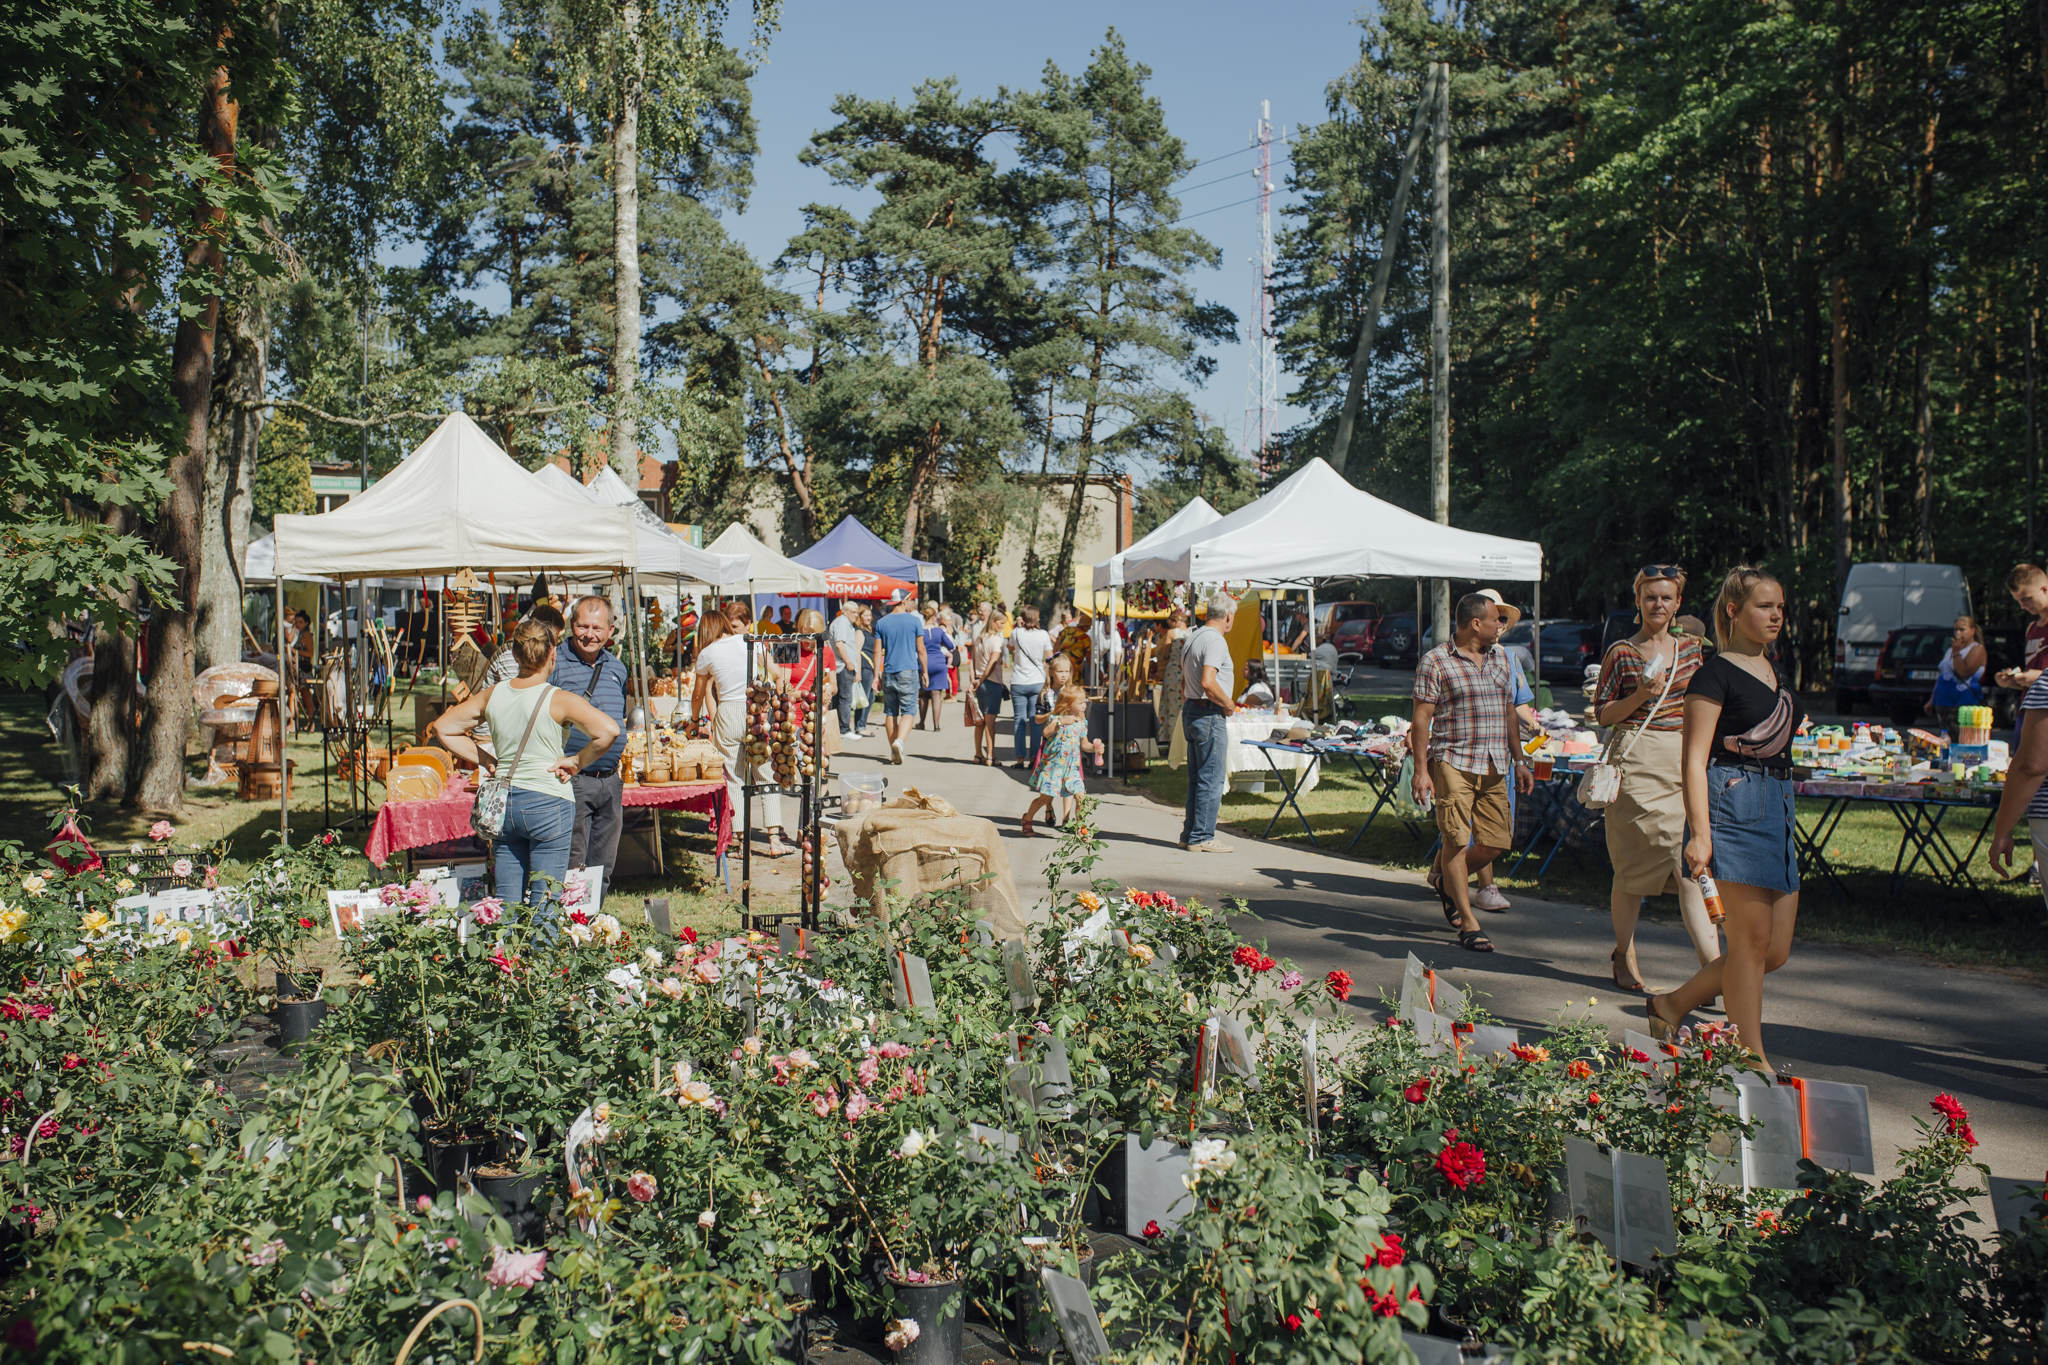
(1027, 734)
(535, 843)
(1208, 771)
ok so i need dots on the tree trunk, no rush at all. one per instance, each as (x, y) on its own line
(1440, 336)
(626, 259)
(1084, 464)
(921, 469)
(110, 726)
(230, 479)
(160, 786)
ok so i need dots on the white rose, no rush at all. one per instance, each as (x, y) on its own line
(913, 1143)
(706, 1219)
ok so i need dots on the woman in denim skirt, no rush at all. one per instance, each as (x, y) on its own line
(540, 814)
(1739, 723)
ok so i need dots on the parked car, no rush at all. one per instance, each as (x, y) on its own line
(1520, 642)
(1353, 640)
(1568, 646)
(1331, 617)
(1910, 660)
(1879, 599)
(1394, 643)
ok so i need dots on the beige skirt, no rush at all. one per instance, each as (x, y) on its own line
(1646, 822)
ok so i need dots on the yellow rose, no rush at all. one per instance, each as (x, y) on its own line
(33, 883)
(124, 886)
(13, 924)
(1089, 901)
(95, 922)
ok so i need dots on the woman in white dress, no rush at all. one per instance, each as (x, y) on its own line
(722, 694)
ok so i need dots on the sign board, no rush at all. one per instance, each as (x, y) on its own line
(349, 910)
(1080, 1324)
(913, 983)
(1155, 1187)
(1622, 1199)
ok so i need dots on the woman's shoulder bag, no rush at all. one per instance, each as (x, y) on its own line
(487, 816)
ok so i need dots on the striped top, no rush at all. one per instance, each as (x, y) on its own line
(1622, 673)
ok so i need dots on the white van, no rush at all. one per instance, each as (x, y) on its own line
(1878, 599)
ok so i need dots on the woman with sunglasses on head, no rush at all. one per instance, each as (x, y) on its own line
(1960, 681)
(1740, 823)
(1641, 694)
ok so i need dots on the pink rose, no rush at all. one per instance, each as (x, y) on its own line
(641, 1186)
(823, 1105)
(161, 830)
(488, 910)
(893, 1051)
(856, 1105)
(1289, 980)
(520, 1268)
(182, 868)
(707, 972)
(868, 1072)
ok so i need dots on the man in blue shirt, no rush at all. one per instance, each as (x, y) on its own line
(903, 669)
(591, 671)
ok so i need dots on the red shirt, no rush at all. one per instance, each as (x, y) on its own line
(2037, 647)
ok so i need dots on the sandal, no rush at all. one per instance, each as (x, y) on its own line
(1474, 941)
(1024, 828)
(1450, 907)
(1661, 1029)
(1615, 959)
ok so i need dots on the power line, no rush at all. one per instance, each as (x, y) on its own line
(1218, 209)
(1207, 183)
(1225, 157)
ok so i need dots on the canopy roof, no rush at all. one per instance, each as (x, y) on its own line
(766, 571)
(1197, 514)
(456, 502)
(660, 551)
(1315, 525)
(852, 543)
(845, 581)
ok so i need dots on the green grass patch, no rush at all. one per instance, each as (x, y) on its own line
(2005, 929)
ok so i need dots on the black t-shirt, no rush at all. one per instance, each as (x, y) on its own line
(1746, 701)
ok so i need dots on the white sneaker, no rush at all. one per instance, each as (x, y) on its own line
(1489, 898)
(896, 751)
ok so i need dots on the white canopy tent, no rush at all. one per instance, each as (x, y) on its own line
(660, 550)
(1315, 525)
(1193, 517)
(456, 502)
(767, 571)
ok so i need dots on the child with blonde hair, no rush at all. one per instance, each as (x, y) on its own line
(1059, 771)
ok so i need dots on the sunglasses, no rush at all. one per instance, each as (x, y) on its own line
(1661, 571)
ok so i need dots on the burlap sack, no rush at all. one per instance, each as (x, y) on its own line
(922, 844)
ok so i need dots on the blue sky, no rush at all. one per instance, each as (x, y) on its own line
(1212, 64)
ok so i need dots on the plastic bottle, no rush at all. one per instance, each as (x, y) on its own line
(1711, 894)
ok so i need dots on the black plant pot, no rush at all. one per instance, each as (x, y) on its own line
(940, 1310)
(296, 1020)
(1032, 1325)
(793, 1337)
(451, 1163)
(298, 985)
(514, 1196)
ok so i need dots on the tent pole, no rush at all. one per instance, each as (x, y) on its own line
(1536, 629)
(1311, 651)
(284, 762)
(640, 659)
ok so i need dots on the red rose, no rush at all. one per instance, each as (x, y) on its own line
(1462, 1164)
(1246, 956)
(1418, 1092)
(1264, 964)
(1636, 1054)
(689, 934)
(1294, 1322)
(1339, 984)
(1390, 1253)
(305, 923)
(578, 917)
(1592, 1097)
(1152, 1229)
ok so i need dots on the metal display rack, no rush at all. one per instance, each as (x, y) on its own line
(808, 792)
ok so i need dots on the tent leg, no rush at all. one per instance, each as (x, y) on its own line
(284, 762)
(1311, 651)
(1536, 630)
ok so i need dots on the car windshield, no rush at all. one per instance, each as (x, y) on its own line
(1914, 648)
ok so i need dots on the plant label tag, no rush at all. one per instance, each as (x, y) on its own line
(1017, 971)
(1155, 1185)
(1645, 1230)
(791, 939)
(1484, 1040)
(1080, 1324)
(1206, 1041)
(1589, 1177)
(1770, 1154)
(984, 933)
(1433, 1032)
(1414, 988)
(1443, 1351)
(1234, 1050)
(2014, 1202)
(349, 910)
(1834, 1123)
(1311, 1081)
(657, 915)
(1163, 958)
(1055, 1081)
(583, 889)
(913, 983)
(986, 1146)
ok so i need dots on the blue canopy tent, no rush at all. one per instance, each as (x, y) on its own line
(852, 543)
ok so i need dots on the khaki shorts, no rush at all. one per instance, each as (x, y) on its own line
(1471, 808)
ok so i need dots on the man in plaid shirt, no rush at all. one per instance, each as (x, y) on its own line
(1465, 710)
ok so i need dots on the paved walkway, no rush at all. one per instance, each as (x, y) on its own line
(1906, 1029)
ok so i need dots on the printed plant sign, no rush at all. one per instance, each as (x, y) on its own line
(1017, 971)
(1080, 1324)
(913, 983)
(1156, 1185)
(349, 909)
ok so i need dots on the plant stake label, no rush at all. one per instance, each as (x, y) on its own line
(1017, 972)
(913, 983)
(1155, 1185)
(1080, 1324)
(1622, 1199)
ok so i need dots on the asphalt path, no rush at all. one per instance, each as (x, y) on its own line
(1906, 1028)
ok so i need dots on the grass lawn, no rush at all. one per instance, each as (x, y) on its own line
(32, 770)
(1925, 917)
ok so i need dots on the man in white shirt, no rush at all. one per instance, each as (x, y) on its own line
(1205, 711)
(844, 635)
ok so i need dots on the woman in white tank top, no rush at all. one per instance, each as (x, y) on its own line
(531, 857)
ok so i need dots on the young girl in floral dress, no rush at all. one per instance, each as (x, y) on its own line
(1059, 768)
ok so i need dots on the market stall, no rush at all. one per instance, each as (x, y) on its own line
(767, 571)
(852, 543)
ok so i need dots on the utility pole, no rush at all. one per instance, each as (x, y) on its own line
(1262, 380)
(1440, 332)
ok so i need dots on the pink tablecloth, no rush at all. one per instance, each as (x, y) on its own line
(415, 824)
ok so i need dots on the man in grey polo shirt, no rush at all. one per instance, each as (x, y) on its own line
(845, 638)
(1206, 676)
(590, 670)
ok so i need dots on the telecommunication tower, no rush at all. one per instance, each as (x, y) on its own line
(1262, 379)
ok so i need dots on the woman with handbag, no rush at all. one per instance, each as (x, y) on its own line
(985, 677)
(527, 807)
(722, 646)
(1740, 821)
(1641, 696)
